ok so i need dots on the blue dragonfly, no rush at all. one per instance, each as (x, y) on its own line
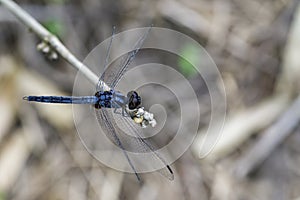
(131, 118)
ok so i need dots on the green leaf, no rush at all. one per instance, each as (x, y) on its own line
(55, 27)
(2, 195)
(190, 56)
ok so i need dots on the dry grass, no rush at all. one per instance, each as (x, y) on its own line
(255, 48)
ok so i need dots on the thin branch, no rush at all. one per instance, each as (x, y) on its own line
(270, 139)
(287, 122)
(52, 41)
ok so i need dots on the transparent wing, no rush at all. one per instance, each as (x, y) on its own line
(128, 136)
(145, 146)
(109, 129)
(112, 76)
(106, 58)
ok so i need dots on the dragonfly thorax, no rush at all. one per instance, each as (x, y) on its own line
(104, 99)
(115, 99)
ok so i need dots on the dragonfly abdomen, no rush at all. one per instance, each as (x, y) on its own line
(63, 99)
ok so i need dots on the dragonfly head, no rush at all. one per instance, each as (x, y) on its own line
(134, 100)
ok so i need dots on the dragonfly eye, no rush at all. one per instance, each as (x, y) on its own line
(134, 100)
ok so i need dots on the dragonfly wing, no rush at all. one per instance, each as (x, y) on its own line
(108, 127)
(145, 146)
(132, 136)
(113, 74)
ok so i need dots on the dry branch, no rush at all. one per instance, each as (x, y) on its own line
(51, 40)
(288, 83)
(270, 139)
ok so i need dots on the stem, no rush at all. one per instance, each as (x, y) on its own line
(55, 44)
(52, 40)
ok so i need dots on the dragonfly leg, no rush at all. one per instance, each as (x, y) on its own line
(124, 113)
(115, 111)
(116, 106)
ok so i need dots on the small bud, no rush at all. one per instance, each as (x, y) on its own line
(46, 49)
(40, 46)
(53, 55)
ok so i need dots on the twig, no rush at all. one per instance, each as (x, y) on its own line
(52, 41)
(288, 83)
(240, 126)
(272, 137)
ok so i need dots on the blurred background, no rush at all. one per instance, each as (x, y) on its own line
(255, 45)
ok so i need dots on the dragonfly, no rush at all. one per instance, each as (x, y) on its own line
(133, 117)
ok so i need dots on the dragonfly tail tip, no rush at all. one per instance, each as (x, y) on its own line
(25, 98)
